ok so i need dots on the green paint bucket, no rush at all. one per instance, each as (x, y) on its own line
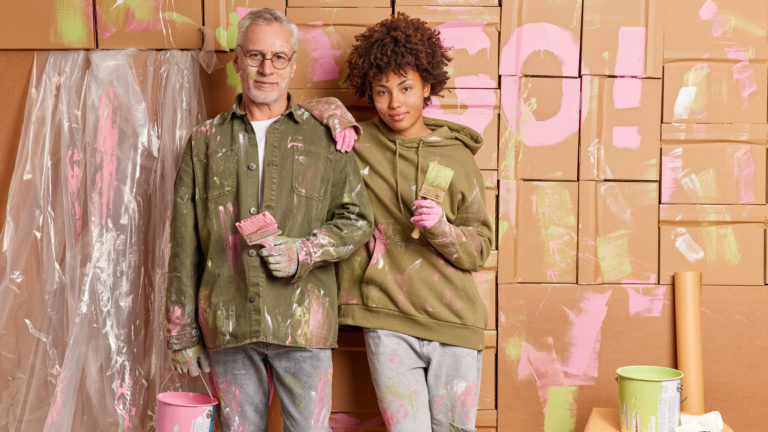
(649, 398)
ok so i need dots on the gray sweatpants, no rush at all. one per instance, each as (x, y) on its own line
(423, 385)
(302, 379)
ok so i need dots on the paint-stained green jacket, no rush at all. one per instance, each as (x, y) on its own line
(220, 291)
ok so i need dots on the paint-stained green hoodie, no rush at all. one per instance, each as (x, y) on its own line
(420, 287)
(220, 290)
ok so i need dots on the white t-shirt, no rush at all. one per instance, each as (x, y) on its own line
(260, 129)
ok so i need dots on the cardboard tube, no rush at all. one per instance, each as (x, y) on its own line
(688, 335)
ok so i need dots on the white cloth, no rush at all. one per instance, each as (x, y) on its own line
(260, 129)
(709, 422)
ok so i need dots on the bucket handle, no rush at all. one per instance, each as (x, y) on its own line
(682, 389)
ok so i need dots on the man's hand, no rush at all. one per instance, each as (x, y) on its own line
(426, 213)
(345, 139)
(281, 254)
(190, 360)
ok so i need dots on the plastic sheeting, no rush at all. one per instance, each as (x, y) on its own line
(85, 243)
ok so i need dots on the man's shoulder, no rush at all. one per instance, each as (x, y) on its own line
(209, 126)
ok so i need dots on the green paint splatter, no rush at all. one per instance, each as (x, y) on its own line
(71, 24)
(228, 37)
(560, 413)
(555, 214)
(613, 253)
(721, 245)
(178, 18)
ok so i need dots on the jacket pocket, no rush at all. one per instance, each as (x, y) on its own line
(219, 173)
(311, 172)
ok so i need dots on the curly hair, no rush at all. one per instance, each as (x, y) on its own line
(397, 44)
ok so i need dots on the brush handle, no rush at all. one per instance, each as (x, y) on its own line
(416, 233)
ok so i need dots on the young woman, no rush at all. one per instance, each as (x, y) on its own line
(415, 298)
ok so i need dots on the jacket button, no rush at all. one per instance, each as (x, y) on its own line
(252, 166)
(253, 211)
(252, 299)
(252, 252)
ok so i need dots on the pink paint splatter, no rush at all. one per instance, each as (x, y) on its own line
(74, 178)
(744, 77)
(710, 12)
(543, 366)
(646, 305)
(378, 244)
(744, 172)
(630, 53)
(627, 93)
(460, 35)
(320, 47)
(175, 317)
(626, 137)
(474, 81)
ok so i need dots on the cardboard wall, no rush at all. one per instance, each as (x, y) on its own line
(624, 141)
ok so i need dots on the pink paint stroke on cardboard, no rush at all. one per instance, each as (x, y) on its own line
(626, 137)
(585, 336)
(744, 172)
(627, 93)
(535, 38)
(646, 305)
(468, 36)
(630, 53)
(320, 47)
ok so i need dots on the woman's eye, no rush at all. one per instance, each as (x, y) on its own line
(407, 89)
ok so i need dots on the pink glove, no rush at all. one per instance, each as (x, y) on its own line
(345, 139)
(190, 360)
(426, 213)
(281, 254)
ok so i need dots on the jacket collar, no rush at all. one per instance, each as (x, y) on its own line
(294, 110)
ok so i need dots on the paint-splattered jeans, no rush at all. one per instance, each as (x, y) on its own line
(422, 385)
(302, 379)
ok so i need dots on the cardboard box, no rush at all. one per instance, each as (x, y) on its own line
(726, 243)
(620, 132)
(222, 16)
(47, 24)
(446, 2)
(359, 108)
(540, 37)
(724, 91)
(326, 36)
(153, 24)
(715, 29)
(539, 129)
(475, 108)
(560, 345)
(618, 232)
(472, 35)
(608, 419)
(15, 70)
(623, 38)
(491, 180)
(713, 163)
(485, 280)
(537, 231)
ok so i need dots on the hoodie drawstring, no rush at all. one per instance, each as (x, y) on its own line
(397, 173)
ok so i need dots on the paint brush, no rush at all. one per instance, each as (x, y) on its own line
(258, 227)
(434, 187)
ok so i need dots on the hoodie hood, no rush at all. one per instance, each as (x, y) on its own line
(443, 132)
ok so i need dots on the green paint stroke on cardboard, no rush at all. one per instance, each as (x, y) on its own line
(512, 348)
(228, 37)
(560, 413)
(72, 24)
(613, 253)
(557, 224)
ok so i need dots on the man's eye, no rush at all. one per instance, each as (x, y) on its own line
(255, 56)
(281, 57)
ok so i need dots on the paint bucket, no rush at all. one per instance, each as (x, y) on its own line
(649, 398)
(185, 411)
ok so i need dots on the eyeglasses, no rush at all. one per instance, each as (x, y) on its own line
(256, 58)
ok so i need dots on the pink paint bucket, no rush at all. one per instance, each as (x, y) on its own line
(185, 412)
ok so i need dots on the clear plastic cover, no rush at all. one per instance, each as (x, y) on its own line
(85, 245)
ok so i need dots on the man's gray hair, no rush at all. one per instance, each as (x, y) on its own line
(267, 16)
